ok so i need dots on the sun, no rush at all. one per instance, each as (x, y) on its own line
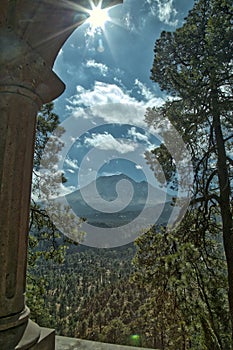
(98, 16)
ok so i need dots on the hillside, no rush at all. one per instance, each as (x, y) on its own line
(103, 207)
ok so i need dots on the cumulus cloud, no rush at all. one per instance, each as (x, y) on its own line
(167, 12)
(112, 103)
(107, 142)
(164, 10)
(102, 68)
(72, 163)
(137, 135)
(143, 90)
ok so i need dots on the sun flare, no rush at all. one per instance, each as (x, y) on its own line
(98, 16)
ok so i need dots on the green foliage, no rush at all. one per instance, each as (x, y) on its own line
(162, 164)
(47, 122)
(177, 295)
(194, 64)
(187, 60)
(45, 240)
(85, 294)
(184, 274)
(116, 332)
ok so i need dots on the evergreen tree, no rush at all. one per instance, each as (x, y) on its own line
(116, 332)
(184, 275)
(194, 64)
(45, 240)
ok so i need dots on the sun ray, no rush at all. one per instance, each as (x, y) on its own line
(94, 16)
(80, 15)
(98, 16)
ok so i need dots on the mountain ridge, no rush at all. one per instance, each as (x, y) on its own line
(95, 200)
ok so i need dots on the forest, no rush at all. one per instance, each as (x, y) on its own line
(170, 289)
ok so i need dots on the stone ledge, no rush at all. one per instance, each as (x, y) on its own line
(65, 343)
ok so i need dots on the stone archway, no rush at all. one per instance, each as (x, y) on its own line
(31, 35)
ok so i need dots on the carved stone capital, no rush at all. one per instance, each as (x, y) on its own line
(22, 68)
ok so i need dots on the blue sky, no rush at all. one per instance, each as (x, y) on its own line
(108, 88)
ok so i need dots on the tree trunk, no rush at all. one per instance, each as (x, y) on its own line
(225, 204)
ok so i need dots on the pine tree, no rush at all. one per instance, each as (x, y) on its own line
(194, 64)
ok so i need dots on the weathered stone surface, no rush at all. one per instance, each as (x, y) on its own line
(45, 25)
(18, 117)
(46, 340)
(16, 145)
(20, 337)
(31, 35)
(22, 68)
(65, 343)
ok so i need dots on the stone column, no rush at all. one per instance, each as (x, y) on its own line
(25, 83)
(31, 35)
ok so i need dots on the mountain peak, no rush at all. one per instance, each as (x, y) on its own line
(117, 176)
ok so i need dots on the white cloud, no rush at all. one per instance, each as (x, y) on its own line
(137, 135)
(139, 167)
(166, 12)
(108, 142)
(144, 91)
(112, 104)
(151, 147)
(152, 7)
(70, 171)
(72, 163)
(111, 173)
(102, 68)
(128, 21)
(64, 190)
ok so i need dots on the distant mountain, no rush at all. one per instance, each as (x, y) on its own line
(116, 200)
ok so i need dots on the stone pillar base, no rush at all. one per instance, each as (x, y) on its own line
(27, 336)
(21, 336)
(46, 341)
